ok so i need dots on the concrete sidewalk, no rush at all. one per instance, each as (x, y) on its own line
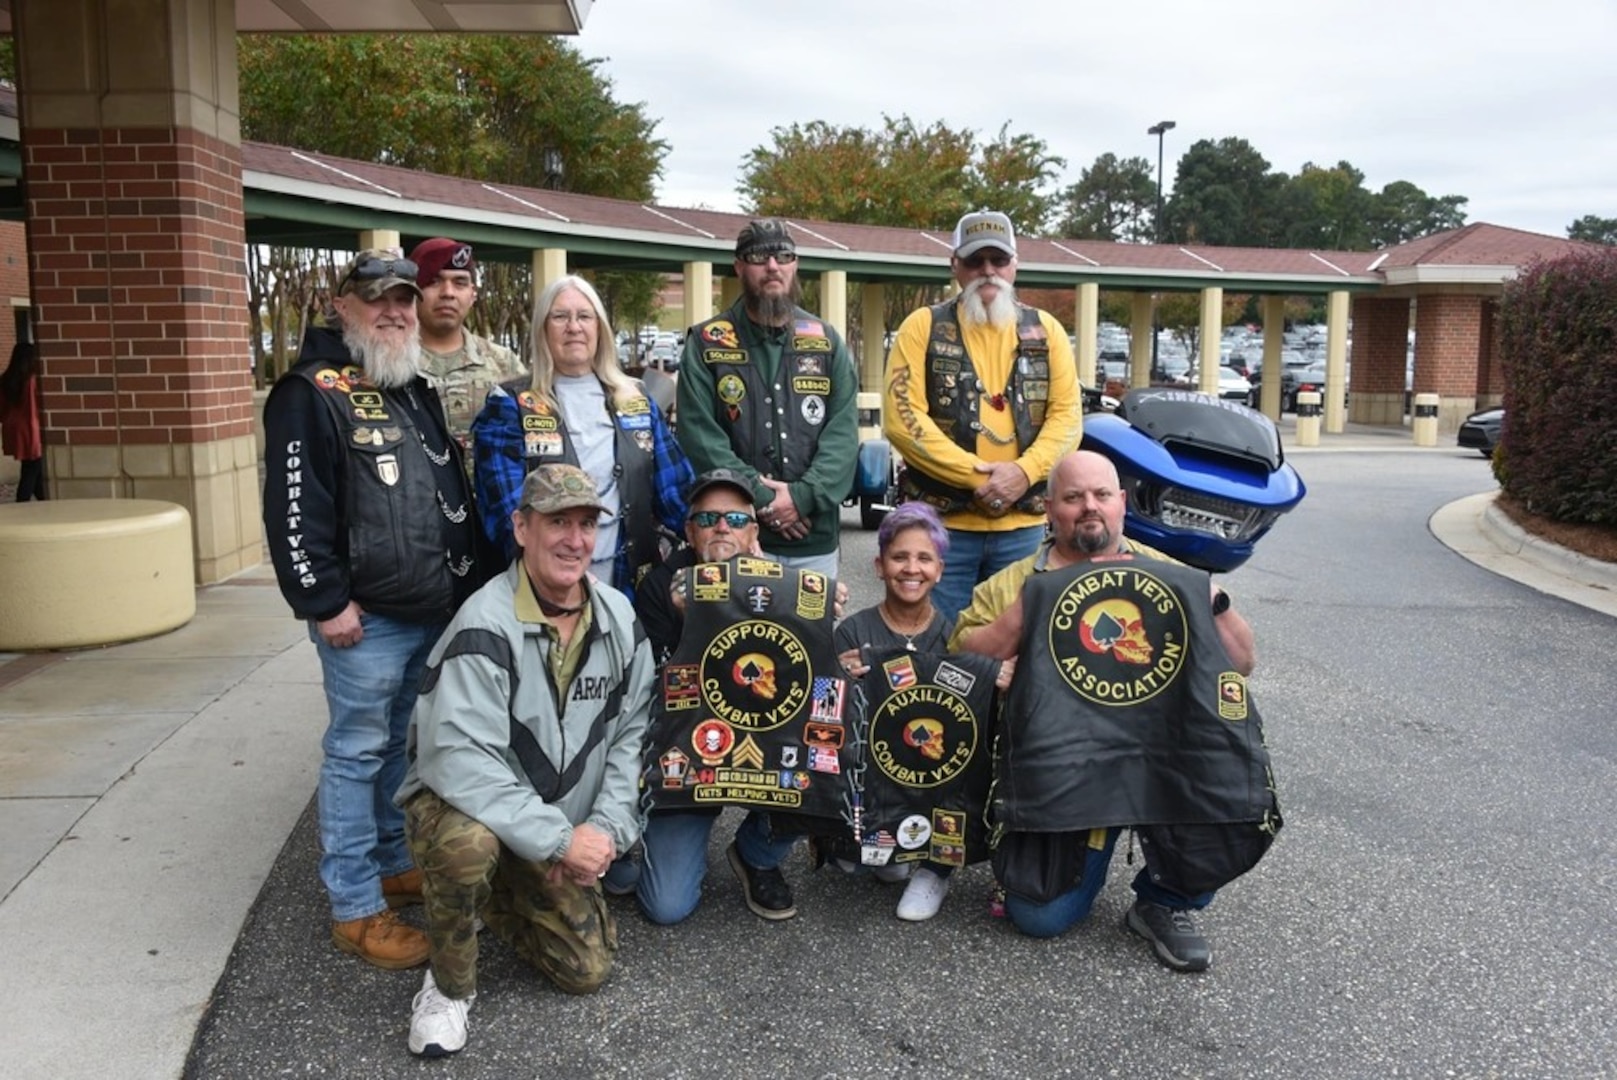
(146, 790)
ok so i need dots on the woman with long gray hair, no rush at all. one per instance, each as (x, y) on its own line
(582, 409)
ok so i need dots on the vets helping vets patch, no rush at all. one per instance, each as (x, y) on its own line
(752, 709)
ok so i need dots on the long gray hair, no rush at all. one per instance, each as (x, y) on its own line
(619, 387)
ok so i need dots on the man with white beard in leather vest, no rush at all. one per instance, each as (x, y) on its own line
(369, 518)
(981, 401)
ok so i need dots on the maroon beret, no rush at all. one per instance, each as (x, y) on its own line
(433, 257)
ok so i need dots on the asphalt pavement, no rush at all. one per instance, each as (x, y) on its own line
(1438, 903)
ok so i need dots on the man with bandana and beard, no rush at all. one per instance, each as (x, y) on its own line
(767, 390)
(981, 401)
(1085, 512)
(375, 544)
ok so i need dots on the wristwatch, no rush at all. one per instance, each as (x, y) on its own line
(1221, 602)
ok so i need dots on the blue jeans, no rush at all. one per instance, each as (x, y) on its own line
(673, 858)
(1058, 915)
(370, 689)
(975, 557)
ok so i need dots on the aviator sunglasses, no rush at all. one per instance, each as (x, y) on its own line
(975, 262)
(736, 519)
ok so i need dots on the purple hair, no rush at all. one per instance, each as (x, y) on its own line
(913, 515)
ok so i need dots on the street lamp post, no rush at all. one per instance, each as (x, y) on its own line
(1159, 129)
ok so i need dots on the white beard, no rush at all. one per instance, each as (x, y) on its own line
(389, 363)
(1001, 313)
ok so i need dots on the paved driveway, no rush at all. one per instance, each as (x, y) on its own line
(1439, 903)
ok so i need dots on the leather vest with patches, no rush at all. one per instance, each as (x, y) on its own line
(1125, 711)
(773, 426)
(546, 441)
(751, 708)
(926, 745)
(955, 393)
(397, 551)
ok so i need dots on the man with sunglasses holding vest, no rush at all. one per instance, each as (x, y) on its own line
(767, 390)
(369, 518)
(981, 401)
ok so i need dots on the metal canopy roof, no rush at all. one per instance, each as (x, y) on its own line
(400, 16)
(299, 197)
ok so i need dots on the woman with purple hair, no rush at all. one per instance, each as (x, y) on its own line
(910, 548)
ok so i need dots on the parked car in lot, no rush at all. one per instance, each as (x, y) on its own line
(1482, 429)
(1232, 385)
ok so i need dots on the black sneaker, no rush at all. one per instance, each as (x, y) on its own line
(1172, 933)
(766, 891)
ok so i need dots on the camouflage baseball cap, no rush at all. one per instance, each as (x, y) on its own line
(373, 272)
(551, 488)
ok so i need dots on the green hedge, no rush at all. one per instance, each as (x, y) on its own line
(1558, 343)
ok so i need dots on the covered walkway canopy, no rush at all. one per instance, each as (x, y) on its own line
(139, 196)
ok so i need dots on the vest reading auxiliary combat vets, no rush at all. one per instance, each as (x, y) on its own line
(1125, 710)
(751, 710)
(925, 747)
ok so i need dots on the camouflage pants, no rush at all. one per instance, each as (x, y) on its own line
(560, 928)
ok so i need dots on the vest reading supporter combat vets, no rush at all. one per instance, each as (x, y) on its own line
(926, 751)
(1125, 711)
(750, 712)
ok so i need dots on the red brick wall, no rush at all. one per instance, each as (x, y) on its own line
(1448, 344)
(13, 284)
(137, 246)
(1380, 345)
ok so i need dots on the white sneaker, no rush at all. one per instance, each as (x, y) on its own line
(923, 896)
(892, 873)
(437, 1023)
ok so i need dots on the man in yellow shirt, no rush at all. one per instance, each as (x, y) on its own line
(981, 401)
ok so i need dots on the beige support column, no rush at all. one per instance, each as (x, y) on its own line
(549, 264)
(698, 292)
(380, 240)
(872, 336)
(1336, 321)
(1274, 339)
(1141, 308)
(729, 291)
(1212, 334)
(834, 299)
(1087, 306)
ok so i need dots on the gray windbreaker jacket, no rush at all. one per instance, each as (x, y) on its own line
(487, 738)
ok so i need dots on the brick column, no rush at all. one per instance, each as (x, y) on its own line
(1448, 347)
(1490, 368)
(1380, 347)
(132, 166)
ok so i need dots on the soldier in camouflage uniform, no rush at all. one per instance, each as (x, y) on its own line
(524, 760)
(461, 366)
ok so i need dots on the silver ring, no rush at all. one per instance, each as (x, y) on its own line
(996, 504)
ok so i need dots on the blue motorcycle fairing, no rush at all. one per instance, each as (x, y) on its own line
(1197, 468)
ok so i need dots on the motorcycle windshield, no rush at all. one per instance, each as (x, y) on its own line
(1208, 423)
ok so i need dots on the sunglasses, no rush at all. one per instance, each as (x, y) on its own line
(736, 519)
(975, 262)
(371, 268)
(759, 258)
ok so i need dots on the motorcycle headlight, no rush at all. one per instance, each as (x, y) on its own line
(1192, 511)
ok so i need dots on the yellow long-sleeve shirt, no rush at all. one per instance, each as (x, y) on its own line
(909, 426)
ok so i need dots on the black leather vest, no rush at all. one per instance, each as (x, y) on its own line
(398, 561)
(751, 709)
(773, 425)
(1125, 709)
(926, 747)
(546, 441)
(955, 393)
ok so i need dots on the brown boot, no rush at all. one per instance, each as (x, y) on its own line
(402, 890)
(382, 939)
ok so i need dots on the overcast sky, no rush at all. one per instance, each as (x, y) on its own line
(1513, 105)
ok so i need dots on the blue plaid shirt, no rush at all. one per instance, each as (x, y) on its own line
(499, 471)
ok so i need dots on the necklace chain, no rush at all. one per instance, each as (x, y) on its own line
(907, 635)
